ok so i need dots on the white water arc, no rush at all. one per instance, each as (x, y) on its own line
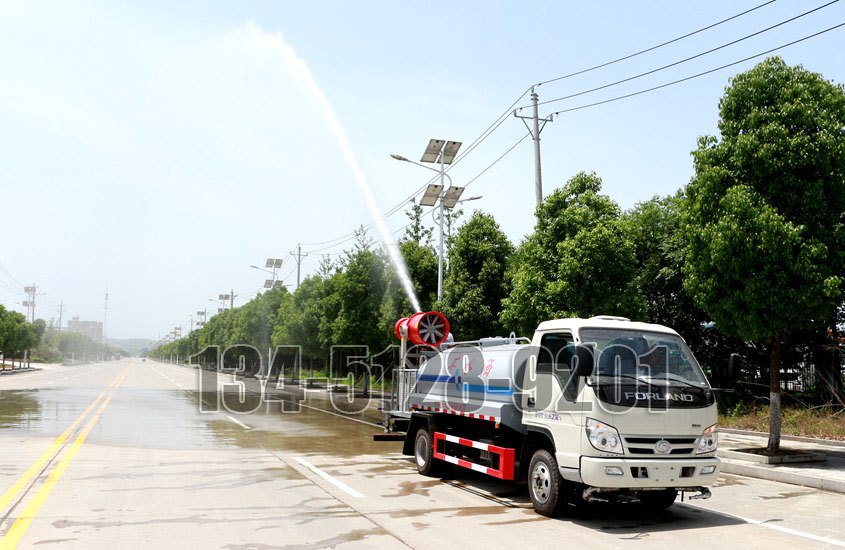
(300, 68)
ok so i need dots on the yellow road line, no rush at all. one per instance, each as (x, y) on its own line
(18, 529)
(36, 467)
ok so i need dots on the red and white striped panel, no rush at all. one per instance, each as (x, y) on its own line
(506, 455)
(466, 464)
(457, 413)
(468, 442)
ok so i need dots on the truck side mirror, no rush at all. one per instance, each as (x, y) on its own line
(733, 368)
(584, 355)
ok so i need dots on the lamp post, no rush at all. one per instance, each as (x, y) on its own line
(441, 152)
(449, 227)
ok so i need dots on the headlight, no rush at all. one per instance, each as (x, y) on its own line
(603, 437)
(708, 440)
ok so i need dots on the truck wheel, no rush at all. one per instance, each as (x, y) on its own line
(427, 465)
(545, 484)
(658, 500)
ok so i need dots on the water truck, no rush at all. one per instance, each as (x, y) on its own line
(598, 409)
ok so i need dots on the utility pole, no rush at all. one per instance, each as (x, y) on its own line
(232, 299)
(105, 313)
(61, 309)
(535, 129)
(440, 255)
(30, 302)
(298, 255)
(192, 324)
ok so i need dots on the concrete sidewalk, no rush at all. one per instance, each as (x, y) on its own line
(828, 474)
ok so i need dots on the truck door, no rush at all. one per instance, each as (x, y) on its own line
(555, 406)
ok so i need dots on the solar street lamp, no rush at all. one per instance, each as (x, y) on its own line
(442, 152)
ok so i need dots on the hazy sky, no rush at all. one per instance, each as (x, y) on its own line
(153, 151)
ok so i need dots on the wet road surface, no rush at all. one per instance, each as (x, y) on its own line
(118, 455)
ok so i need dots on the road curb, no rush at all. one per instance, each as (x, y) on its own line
(761, 471)
(802, 439)
(18, 371)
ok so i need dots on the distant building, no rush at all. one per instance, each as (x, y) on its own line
(91, 329)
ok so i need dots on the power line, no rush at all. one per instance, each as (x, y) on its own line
(395, 232)
(679, 62)
(388, 213)
(477, 176)
(667, 84)
(490, 129)
(652, 48)
(9, 275)
(283, 279)
(11, 284)
(332, 243)
(503, 155)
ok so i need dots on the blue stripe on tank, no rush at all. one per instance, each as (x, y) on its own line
(472, 388)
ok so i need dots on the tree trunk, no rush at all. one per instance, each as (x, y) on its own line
(834, 368)
(775, 411)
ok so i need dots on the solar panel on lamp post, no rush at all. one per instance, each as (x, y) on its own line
(442, 152)
(272, 265)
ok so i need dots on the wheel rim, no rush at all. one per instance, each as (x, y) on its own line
(541, 483)
(422, 451)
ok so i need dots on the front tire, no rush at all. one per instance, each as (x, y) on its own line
(427, 465)
(658, 500)
(545, 484)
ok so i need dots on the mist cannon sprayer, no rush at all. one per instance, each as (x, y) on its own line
(423, 329)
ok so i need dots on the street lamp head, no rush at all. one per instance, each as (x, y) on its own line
(398, 157)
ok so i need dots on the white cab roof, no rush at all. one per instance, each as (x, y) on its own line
(606, 322)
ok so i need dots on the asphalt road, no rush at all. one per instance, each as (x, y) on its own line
(118, 455)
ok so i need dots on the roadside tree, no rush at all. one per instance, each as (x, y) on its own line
(765, 252)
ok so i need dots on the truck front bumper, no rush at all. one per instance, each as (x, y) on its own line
(637, 473)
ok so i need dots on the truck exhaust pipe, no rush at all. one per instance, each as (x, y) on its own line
(703, 493)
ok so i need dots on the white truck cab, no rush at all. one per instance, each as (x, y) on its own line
(589, 409)
(643, 419)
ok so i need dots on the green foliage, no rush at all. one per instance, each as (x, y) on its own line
(16, 335)
(254, 323)
(299, 317)
(416, 231)
(476, 286)
(451, 216)
(764, 210)
(57, 345)
(756, 273)
(579, 262)
(359, 290)
(422, 268)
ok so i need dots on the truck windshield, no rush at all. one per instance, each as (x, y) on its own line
(647, 356)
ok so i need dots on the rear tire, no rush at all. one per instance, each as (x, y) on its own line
(545, 484)
(427, 465)
(658, 500)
